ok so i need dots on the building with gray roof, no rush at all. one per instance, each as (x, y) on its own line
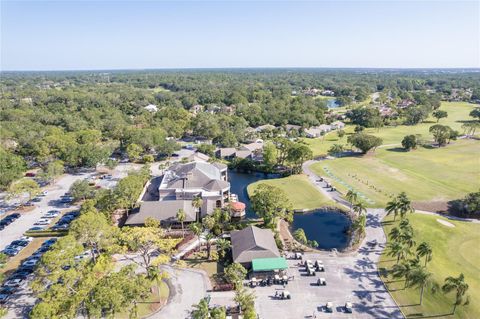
(252, 243)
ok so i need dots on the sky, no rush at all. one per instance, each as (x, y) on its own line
(88, 35)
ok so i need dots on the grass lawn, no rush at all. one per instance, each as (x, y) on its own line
(301, 193)
(438, 174)
(457, 113)
(157, 299)
(455, 251)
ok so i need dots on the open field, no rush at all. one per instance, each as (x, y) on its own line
(439, 174)
(299, 191)
(454, 251)
(457, 113)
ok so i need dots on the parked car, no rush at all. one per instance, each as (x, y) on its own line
(36, 228)
(13, 282)
(31, 262)
(43, 221)
(49, 242)
(12, 251)
(20, 243)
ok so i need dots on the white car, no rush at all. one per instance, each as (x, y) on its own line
(43, 222)
(29, 239)
(348, 307)
(50, 215)
(31, 262)
(329, 306)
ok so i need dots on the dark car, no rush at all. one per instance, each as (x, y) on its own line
(14, 215)
(36, 228)
(49, 242)
(21, 243)
(10, 252)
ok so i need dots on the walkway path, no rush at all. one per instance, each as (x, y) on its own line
(187, 287)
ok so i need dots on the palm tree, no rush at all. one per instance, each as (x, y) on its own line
(351, 196)
(181, 216)
(421, 278)
(208, 238)
(404, 205)
(196, 229)
(360, 223)
(201, 310)
(459, 285)
(222, 246)
(197, 203)
(395, 233)
(399, 250)
(404, 270)
(424, 249)
(359, 208)
(407, 239)
(392, 208)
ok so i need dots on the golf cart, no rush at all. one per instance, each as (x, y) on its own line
(319, 265)
(283, 295)
(321, 281)
(329, 307)
(348, 307)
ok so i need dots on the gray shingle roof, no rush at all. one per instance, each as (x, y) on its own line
(253, 242)
(193, 175)
(162, 211)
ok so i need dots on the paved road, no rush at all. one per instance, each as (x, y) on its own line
(321, 186)
(350, 277)
(188, 287)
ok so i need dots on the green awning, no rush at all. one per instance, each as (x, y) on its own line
(269, 264)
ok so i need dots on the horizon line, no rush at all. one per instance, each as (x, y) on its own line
(475, 68)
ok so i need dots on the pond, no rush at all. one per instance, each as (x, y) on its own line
(332, 103)
(327, 228)
(238, 185)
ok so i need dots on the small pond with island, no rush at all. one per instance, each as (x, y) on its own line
(328, 227)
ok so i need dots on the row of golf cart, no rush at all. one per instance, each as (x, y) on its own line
(275, 280)
(311, 267)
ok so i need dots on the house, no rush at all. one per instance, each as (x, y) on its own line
(405, 103)
(266, 127)
(198, 157)
(226, 153)
(317, 131)
(252, 243)
(163, 211)
(337, 125)
(151, 108)
(328, 93)
(182, 183)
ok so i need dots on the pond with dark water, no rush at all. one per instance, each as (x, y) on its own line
(327, 228)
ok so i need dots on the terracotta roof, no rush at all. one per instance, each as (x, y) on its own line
(239, 206)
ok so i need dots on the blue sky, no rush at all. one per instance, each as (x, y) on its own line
(44, 35)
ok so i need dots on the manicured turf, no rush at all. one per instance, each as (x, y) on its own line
(455, 251)
(438, 174)
(299, 191)
(457, 113)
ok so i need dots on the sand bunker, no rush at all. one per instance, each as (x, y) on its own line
(445, 223)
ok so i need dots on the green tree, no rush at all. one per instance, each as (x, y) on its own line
(22, 186)
(439, 114)
(458, 285)
(409, 142)
(52, 170)
(271, 203)
(340, 133)
(208, 239)
(209, 222)
(336, 150)
(299, 235)
(235, 273)
(399, 250)
(425, 250)
(351, 197)
(404, 205)
(222, 246)
(201, 310)
(441, 134)
(134, 151)
(181, 216)
(196, 229)
(270, 155)
(364, 142)
(393, 208)
(11, 167)
(404, 270)
(359, 208)
(475, 113)
(81, 190)
(244, 299)
(421, 278)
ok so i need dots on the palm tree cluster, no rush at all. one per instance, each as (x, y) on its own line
(360, 221)
(399, 205)
(415, 274)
